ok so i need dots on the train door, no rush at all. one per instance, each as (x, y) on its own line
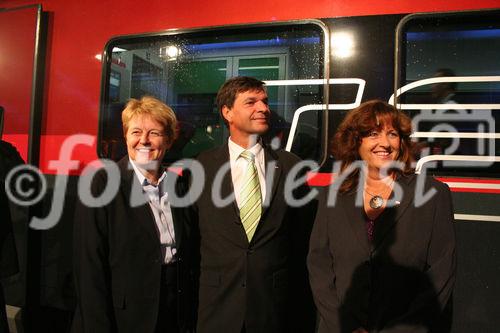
(448, 78)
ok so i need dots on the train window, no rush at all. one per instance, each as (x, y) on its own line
(185, 70)
(449, 80)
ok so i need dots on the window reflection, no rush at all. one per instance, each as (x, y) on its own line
(451, 52)
(186, 70)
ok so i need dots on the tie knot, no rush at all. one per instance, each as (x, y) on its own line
(247, 155)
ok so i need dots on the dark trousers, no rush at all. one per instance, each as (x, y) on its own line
(168, 311)
(4, 326)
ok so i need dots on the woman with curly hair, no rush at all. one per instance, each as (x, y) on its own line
(382, 255)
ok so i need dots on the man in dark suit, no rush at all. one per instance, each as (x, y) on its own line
(132, 259)
(251, 257)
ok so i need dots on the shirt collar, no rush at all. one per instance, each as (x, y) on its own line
(235, 149)
(141, 177)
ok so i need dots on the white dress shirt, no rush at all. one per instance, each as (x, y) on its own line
(239, 166)
(162, 213)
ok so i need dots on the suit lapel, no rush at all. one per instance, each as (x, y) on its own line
(143, 214)
(178, 227)
(356, 218)
(222, 157)
(273, 176)
(228, 217)
(385, 222)
(177, 212)
(391, 215)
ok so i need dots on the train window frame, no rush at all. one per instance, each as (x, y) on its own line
(462, 166)
(324, 68)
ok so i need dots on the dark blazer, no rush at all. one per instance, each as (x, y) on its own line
(8, 254)
(244, 283)
(118, 260)
(9, 159)
(402, 281)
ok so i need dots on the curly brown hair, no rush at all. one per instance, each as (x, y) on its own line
(357, 124)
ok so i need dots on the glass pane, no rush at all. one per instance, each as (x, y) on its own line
(453, 111)
(266, 68)
(187, 69)
(147, 77)
(261, 68)
(194, 89)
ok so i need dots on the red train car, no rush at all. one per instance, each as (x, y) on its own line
(68, 67)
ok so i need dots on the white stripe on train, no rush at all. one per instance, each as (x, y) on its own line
(479, 218)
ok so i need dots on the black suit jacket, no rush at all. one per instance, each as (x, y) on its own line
(9, 159)
(402, 281)
(117, 260)
(244, 283)
(8, 253)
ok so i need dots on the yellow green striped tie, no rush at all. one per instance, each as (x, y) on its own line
(250, 197)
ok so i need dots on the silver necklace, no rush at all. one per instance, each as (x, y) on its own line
(377, 201)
